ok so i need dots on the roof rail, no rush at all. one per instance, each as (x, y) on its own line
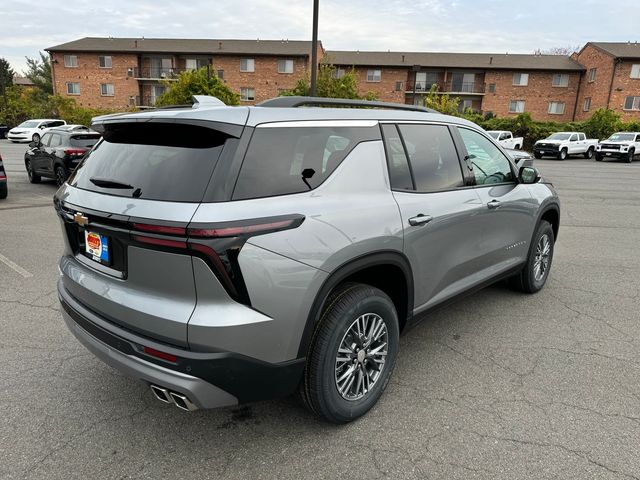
(297, 101)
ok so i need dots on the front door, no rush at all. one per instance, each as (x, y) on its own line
(438, 210)
(507, 217)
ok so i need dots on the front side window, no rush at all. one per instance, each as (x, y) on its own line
(104, 61)
(635, 70)
(632, 103)
(433, 157)
(374, 75)
(521, 79)
(247, 65)
(574, 138)
(44, 141)
(247, 94)
(516, 106)
(560, 80)
(70, 60)
(73, 88)
(282, 161)
(556, 108)
(285, 66)
(107, 90)
(489, 164)
(591, 76)
(398, 164)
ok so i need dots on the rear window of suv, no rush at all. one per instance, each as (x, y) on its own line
(285, 160)
(167, 162)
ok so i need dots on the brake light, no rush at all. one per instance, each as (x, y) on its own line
(75, 151)
(241, 230)
(158, 354)
(145, 227)
(161, 242)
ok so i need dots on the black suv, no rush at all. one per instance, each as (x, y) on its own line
(57, 154)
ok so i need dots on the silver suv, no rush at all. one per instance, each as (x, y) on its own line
(232, 254)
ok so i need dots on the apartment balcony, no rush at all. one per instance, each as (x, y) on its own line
(451, 87)
(145, 101)
(157, 73)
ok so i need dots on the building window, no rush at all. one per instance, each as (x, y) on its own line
(220, 74)
(635, 70)
(339, 73)
(465, 105)
(285, 66)
(398, 86)
(521, 79)
(560, 80)
(107, 90)
(632, 103)
(73, 88)
(247, 94)
(70, 60)
(591, 76)
(104, 61)
(374, 75)
(516, 106)
(556, 108)
(586, 106)
(247, 65)
(492, 88)
(191, 64)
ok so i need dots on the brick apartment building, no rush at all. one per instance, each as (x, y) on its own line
(123, 72)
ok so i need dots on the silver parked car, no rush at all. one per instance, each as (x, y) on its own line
(231, 254)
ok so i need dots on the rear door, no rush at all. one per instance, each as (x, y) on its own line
(506, 218)
(437, 207)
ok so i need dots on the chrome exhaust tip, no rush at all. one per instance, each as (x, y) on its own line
(161, 394)
(182, 402)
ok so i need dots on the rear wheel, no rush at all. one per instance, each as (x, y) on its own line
(537, 155)
(61, 175)
(562, 155)
(589, 153)
(352, 355)
(33, 176)
(3, 190)
(536, 271)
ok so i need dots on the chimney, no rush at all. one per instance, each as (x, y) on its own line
(490, 60)
(135, 43)
(219, 45)
(402, 58)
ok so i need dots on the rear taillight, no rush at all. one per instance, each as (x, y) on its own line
(160, 229)
(236, 231)
(158, 354)
(75, 152)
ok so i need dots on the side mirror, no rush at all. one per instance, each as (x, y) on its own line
(529, 175)
(33, 144)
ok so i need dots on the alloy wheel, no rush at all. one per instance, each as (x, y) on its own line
(60, 177)
(541, 261)
(361, 356)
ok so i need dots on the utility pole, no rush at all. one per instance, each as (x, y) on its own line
(314, 49)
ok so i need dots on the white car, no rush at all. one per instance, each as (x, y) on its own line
(563, 144)
(506, 139)
(32, 130)
(624, 145)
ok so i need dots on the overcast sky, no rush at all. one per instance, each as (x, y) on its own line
(498, 26)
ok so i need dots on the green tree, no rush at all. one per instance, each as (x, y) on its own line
(329, 85)
(196, 82)
(602, 124)
(441, 102)
(39, 72)
(6, 75)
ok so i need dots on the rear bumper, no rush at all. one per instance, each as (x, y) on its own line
(209, 380)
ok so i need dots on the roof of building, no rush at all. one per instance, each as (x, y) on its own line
(454, 60)
(619, 49)
(22, 81)
(185, 45)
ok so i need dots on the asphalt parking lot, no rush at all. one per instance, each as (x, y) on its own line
(497, 386)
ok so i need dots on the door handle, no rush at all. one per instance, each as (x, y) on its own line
(493, 204)
(420, 219)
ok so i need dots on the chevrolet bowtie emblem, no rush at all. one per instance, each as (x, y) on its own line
(80, 219)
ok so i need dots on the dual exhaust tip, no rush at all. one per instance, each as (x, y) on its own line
(179, 400)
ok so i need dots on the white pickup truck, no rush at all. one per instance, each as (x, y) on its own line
(563, 144)
(506, 139)
(624, 145)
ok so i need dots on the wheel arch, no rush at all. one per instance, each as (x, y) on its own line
(390, 271)
(551, 213)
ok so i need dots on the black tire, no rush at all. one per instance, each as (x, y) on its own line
(517, 147)
(33, 176)
(589, 153)
(630, 155)
(598, 157)
(61, 175)
(563, 154)
(527, 280)
(35, 137)
(319, 387)
(537, 155)
(3, 191)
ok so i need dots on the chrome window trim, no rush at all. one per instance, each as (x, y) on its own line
(319, 123)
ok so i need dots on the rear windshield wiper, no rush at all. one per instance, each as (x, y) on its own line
(106, 183)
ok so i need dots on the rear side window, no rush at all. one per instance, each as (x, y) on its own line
(285, 160)
(84, 141)
(399, 172)
(152, 161)
(56, 140)
(433, 157)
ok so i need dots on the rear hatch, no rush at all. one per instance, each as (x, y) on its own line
(123, 211)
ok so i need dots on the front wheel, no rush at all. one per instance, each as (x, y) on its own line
(630, 155)
(33, 176)
(352, 355)
(536, 271)
(537, 155)
(598, 157)
(588, 154)
(61, 175)
(563, 154)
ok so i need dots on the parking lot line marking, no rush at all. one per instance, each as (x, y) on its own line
(15, 267)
